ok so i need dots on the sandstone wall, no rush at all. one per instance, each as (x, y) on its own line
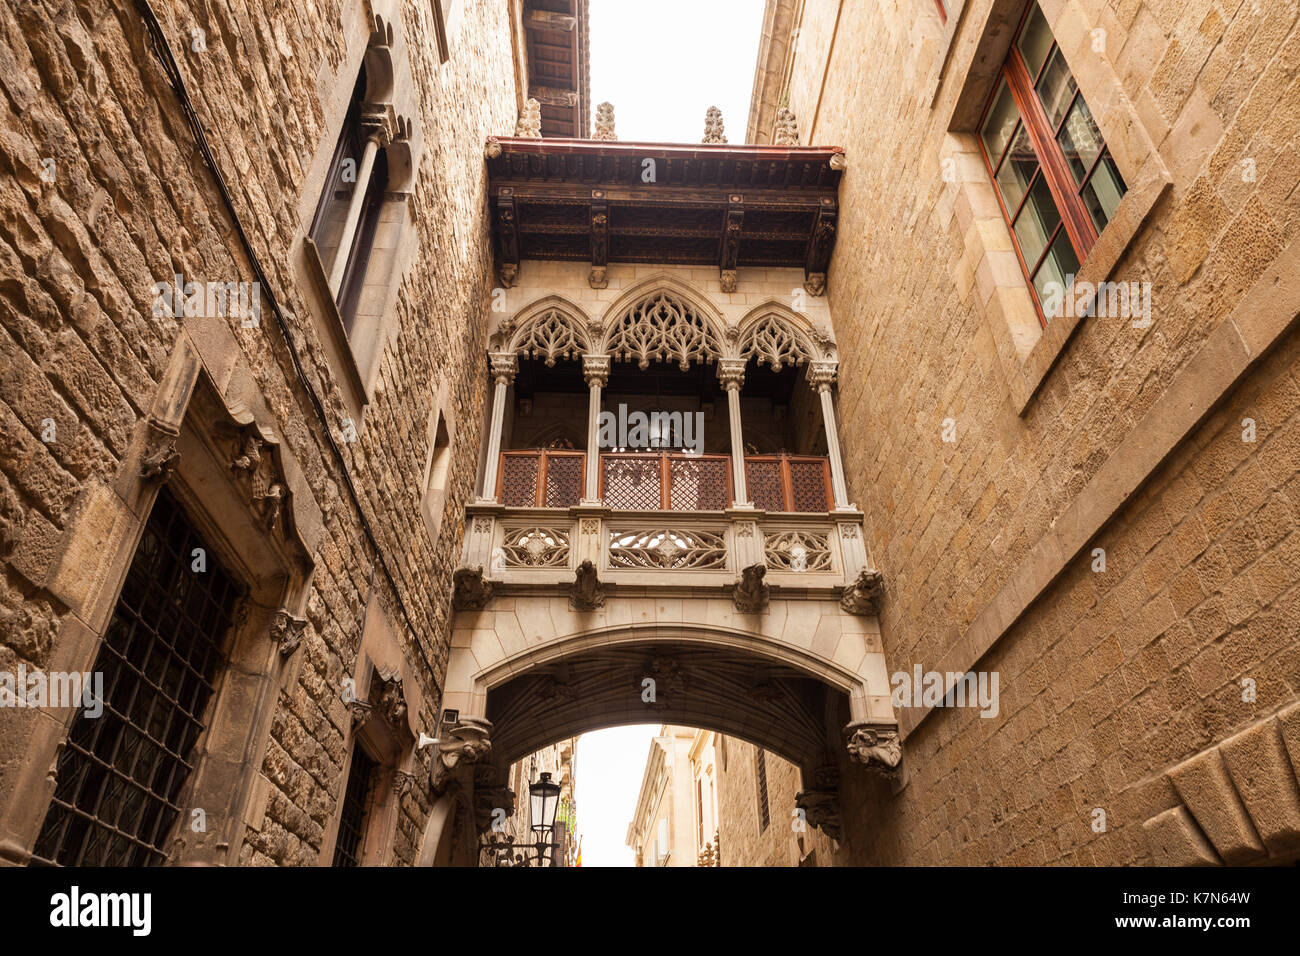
(1108, 679)
(131, 203)
(782, 842)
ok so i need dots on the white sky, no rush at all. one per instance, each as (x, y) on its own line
(662, 64)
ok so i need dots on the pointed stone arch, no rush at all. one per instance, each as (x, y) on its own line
(774, 335)
(663, 319)
(550, 329)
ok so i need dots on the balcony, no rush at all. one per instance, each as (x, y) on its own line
(665, 519)
(664, 481)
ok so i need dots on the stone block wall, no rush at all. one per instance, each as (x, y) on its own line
(1173, 447)
(784, 841)
(103, 193)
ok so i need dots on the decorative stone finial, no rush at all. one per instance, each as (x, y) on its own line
(605, 122)
(713, 131)
(787, 130)
(530, 120)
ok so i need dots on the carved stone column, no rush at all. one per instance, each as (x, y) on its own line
(595, 369)
(821, 376)
(504, 367)
(731, 372)
(379, 133)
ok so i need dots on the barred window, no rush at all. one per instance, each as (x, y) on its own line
(121, 775)
(352, 821)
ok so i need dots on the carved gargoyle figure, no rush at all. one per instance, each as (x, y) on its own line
(876, 747)
(864, 594)
(158, 464)
(470, 592)
(463, 743)
(821, 808)
(269, 504)
(390, 702)
(249, 455)
(587, 593)
(287, 630)
(750, 591)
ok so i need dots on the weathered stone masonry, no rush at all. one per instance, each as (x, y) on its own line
(1120, 688)
(103, 194)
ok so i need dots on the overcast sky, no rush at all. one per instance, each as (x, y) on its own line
(662, 64)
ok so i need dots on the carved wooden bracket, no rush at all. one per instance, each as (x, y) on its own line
(598, 279)
(507, 236)
(820, 244)
(731, 241)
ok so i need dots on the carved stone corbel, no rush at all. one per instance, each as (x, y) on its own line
(586, 593)
(464, 743)
(876, 746)
(470, 591)
(287, 630)
(750, 592)
(160, 458)
(821, 809)
(864, 595)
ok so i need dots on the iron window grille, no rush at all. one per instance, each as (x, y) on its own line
(120, 776)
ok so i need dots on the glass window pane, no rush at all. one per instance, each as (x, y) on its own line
(1080, 140)
(1035, 40)
(1017, 171)
(1055, 88)
(1037, 221)
(1058, 266)
(1104, 191)
(1000, 124)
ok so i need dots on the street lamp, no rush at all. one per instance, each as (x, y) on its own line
(544, 799)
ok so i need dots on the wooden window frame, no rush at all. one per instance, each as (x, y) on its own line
(1053, 167)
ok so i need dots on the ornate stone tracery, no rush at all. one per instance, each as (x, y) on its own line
(550, 335)
(659, 327)
(667, 549)
(535, 547)
(774, 341)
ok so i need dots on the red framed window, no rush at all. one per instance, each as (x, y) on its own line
(1055, 178)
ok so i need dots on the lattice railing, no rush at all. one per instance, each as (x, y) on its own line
(541, 478)
(789, 483)
(665, 481)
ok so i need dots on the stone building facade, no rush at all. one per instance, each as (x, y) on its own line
(1111, 524)
(675, 822)
(279, 291)
(317, 450)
